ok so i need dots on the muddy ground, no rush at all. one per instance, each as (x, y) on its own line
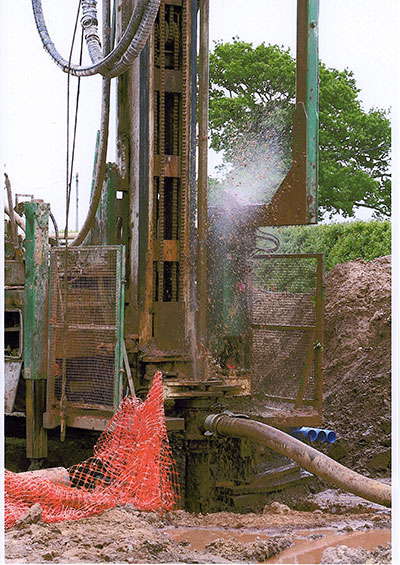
(360, 532)
(329, 526)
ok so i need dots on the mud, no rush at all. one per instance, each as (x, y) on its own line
(125, 535)
(330, 526)
(357, 364)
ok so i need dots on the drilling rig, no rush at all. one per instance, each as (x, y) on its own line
(158, 280)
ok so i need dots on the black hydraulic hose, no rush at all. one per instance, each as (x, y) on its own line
(134, 38)
(91, 31)
(306, 456)
(56, 232)
(138, 41)
(145, 15)
(137, 33)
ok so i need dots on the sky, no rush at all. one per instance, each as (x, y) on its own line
(358, 34)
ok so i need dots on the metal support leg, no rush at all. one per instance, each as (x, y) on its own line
(35, 327)
(197, 491)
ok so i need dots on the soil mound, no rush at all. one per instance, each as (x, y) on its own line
(357, 369)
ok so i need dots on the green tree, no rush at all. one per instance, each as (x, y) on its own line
(252, 96)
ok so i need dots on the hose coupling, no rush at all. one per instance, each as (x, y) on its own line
(211, 421)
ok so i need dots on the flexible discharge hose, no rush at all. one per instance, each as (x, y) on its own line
(120, 58)
(306, 456)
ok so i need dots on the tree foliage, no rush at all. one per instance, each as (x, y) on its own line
(252, 96)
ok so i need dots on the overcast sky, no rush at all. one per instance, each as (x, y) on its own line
(358, 34)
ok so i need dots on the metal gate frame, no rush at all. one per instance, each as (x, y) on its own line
(315, 351)
(91, 417)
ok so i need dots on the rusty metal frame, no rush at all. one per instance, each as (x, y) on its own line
(165, 91)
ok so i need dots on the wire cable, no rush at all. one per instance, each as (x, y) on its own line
(100, 166)
(69, 170)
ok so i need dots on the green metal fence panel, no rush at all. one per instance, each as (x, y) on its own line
(287, 327)
(92, 338)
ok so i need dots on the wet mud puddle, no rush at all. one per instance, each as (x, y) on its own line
(308, 545)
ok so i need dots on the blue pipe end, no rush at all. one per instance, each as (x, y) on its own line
(331, 436)
(315, 434)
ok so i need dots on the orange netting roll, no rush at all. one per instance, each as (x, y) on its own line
(132, 462)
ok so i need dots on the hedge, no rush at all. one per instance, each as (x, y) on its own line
(341, 242)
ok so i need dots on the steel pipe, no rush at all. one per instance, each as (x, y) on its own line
(306, 456)
(203, 174)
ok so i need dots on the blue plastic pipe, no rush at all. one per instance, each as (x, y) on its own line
(315, 434)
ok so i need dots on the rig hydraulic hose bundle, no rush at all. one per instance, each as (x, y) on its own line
(120, 58)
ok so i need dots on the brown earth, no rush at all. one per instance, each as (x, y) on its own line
(125, 535)
(357, 371)
(328, 527)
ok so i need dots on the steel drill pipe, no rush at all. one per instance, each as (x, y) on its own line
(306, 456)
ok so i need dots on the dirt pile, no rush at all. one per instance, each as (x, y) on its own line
(357, 369)
(344, 554)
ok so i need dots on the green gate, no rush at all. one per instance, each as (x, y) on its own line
(85, 334)
(287, 328)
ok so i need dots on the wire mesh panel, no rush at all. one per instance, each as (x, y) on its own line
(286, 317)
(85, 329)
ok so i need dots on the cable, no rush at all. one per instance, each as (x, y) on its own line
(63, 396)
(134, 39)
(100, 167)
(71, 172)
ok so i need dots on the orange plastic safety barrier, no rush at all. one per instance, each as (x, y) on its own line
(132, 463)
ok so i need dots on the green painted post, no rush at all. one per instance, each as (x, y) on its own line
(311, 105)
(36, 326)
(120, 300)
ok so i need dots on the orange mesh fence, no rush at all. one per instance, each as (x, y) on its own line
(132, 463)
